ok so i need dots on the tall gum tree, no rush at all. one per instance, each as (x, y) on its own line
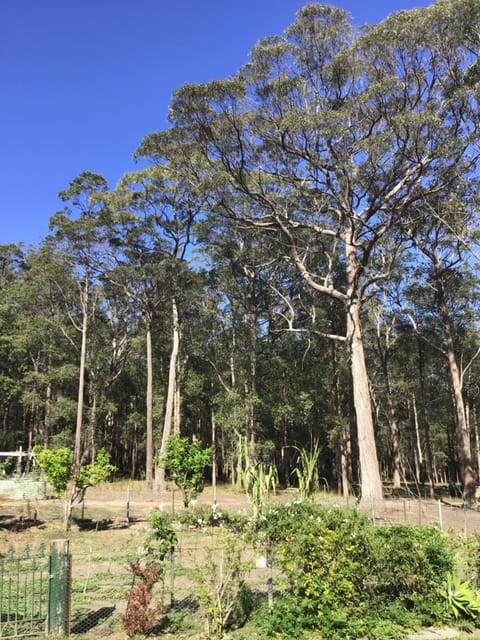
(77, 229)
(327, 137)
(441, 232)
(154, 219)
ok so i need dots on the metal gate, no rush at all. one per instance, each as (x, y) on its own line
(35, 591)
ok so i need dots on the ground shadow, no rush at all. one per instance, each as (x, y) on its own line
(16, 523)
(90, 620)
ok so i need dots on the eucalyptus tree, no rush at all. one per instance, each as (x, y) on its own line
(326, 138)
(47, 341)
(12, 264)
(440, 230)
(77, 230)
(152, 231)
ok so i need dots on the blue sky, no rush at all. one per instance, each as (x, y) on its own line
(82, 81)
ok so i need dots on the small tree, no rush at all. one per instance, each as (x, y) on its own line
(185, 463)
(58, 466)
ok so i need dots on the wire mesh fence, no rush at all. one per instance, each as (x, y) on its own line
(101, 581)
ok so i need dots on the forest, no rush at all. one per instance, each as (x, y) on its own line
(293, 267)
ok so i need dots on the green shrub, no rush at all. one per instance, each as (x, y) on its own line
(203, 515)
(185, 463)
(409, 564)
(347, 578)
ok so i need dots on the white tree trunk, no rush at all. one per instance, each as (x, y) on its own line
(371, 484)
(77, 451)
(149, 425)
(172, 385)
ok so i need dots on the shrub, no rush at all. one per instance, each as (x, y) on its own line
(348, 578)
(185, 463)
(140, 616)
(203, 515)
(409, 563)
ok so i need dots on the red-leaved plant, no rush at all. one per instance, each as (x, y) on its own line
(140, 616)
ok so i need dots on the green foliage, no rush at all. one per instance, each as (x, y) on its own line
(259, 484)
(202, 515)
(349, 579)
(162, 538)
(91, 474)
(185, 463)
(224, 598)
(409, 563)
(461, 599)
(57, 464)
(307, 471)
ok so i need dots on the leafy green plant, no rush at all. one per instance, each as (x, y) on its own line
(224, 597)
(409, 563)
(57, 464)
(340, 572)
(306, 471)
(203, 515)
(258, 484)
(461, 599)
(185, 463)
(162, 538)
(58, 467)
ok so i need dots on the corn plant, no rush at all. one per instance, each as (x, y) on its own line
(307, 471)
(258, 484)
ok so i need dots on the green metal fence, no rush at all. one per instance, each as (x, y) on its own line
(35, 591)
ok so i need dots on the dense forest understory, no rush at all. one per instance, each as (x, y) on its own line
(290, 276)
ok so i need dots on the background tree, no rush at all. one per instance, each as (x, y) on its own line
(81, 243)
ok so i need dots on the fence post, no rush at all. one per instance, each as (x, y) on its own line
(58, 621)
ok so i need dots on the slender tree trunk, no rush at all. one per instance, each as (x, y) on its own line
(77, 452)
(464, 451)
(394, 434)
(345, 443)
(172, 382)
(252, 401)
(149, 425)
(425, 423)
(418, 443)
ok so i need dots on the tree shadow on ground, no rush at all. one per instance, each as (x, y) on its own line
(88, 621)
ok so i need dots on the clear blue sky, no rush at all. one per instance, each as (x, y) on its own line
(82, 81)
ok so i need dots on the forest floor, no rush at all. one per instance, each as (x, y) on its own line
(112, 527)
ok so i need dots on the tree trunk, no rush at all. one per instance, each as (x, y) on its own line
(77, 452)
(464, 451)
(149, 425)
(394, 434)
(371, 484)
(169, 405)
